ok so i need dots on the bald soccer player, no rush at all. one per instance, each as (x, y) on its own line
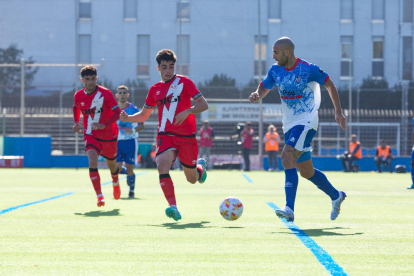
(298, 83)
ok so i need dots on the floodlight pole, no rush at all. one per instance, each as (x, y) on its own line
(76, 68)
(103, 72)
(259, 38)
(22, 67)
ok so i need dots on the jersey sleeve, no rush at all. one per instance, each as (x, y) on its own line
(268, 82)
(191, 89)
(318, 75)
(150, 102)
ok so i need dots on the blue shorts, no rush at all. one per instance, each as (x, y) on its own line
(412, 154)
(300, 138)
(127, 151)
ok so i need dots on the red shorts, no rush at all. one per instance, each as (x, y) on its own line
(186, 148)
(107, 149)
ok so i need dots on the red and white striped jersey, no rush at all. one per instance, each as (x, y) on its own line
(97, 107)
(173, 97)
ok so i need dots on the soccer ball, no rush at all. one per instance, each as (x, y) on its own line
(231, 208)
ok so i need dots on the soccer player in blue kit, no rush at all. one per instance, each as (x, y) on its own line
(412, 162)
(298, 83)
(127, 139)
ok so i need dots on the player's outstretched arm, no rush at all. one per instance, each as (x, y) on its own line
(139, 117)
(260, 93)
(333, 93)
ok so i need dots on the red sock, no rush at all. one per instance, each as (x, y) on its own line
(200, 171)
(167, 187)
(96, 180)
(115, 176)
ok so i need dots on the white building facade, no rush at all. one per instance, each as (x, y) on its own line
(370, 37)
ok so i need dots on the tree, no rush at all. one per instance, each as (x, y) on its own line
(10, 76)
(222, 80)
(369, 83)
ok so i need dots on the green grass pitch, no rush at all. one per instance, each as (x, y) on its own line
(373, 235)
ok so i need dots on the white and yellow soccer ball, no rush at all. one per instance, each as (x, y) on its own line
(231, 208)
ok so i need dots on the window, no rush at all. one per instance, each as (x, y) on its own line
(347, 10)
(263, 44)
(183, 10)
(85, 9)
(143, 56)
(347, 44)
(274, 7)
(84, 50)
(183, 54)
(130, 9)
(378, 57)
(407, 58)
(407, 11)
(378, 10)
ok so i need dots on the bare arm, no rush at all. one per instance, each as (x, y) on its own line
(333, 93)
(137, 117)
(278, 138)
(199, 107)
(199, 132)
(260, 93)
(140, 127)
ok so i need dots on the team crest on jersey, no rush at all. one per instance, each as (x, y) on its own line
(95, 102)
(298, 79)
(173, 87)
(82, 103)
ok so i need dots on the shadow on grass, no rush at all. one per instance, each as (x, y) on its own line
(114, 212)
(233, 227)
(128, 198)
(176, 225)
(317, 232)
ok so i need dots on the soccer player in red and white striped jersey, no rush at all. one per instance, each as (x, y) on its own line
(100, 112)
(176, 126)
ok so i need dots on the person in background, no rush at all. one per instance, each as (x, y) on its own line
(127, 139)
(149, 160)
(247, 144)
(383, 156)
(206, 134)
(354, 154)
(271, 141)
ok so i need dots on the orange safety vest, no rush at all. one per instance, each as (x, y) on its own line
(272, 145)
(383, 152)
(352, 146)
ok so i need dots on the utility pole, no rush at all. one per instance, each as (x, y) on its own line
(22, 111)
(259, 38)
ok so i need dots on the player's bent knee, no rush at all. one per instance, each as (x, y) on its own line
(306, 174)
